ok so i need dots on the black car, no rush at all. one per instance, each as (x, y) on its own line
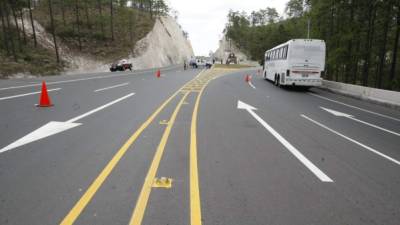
(121, 66)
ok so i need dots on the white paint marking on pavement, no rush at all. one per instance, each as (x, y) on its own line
(27, 94)
(352, 140)
(73, 80)
(54, 127)
(251, 85)
(314, 169)
(99, 108)
(340, 114)
(111, 87)
(49, 129)
(355, 107)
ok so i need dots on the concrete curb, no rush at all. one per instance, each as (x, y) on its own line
(390, 99)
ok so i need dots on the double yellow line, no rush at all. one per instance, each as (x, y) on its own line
(139, 210)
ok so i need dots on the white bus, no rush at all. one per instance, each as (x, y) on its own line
(298, 62)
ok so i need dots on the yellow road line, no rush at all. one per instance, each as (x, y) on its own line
(141, 203)
(94, 187)
(195, 206)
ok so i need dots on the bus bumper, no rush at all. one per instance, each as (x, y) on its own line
(303, 82)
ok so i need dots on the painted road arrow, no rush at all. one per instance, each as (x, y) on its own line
(340, 114)
(54, 127)
(317, 172)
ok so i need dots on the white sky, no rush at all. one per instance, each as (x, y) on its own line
(205, 20)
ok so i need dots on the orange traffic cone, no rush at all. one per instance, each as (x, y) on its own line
(158, 74)
(44, 97)
(247, 78)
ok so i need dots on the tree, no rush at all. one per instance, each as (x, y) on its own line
(32, 23)
(53, 30)
(3, 25)
(78, 25)
(395, 48)
(272, 15)
(294, 8)
(13, 9)
(9, 37)
(100, 10)
(111, 19)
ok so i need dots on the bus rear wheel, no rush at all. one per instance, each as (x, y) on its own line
(277, 81)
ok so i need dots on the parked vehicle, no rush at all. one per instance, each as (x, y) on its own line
(122, 65)
(209, 64)
(193, 63)
(298, 62)
(232, 59)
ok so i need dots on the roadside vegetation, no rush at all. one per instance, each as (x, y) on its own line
(104, 30)
(362, 36)
(231, 66)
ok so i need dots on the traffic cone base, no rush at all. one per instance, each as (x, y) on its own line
(44, 97)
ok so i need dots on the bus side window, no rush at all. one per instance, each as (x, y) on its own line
(284, 52)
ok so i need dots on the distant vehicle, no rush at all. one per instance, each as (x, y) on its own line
(298, 62)
(209, 64)
(201, 62)
(232, 59)
(193, 63)
(122, 65)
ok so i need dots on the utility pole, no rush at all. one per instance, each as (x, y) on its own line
(308, 29)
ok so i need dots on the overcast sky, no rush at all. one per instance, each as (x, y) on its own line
(206, 19)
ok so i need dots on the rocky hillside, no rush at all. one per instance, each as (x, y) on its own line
(166, 44)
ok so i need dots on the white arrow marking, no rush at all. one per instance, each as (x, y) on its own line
(49, 129)
(340, 114)
(351, 140)
(54, 127)
(354, 107)
(111, 87)
(251, 85)
(307, 163)
(27, 94)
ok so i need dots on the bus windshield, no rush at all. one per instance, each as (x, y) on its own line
(311, 53)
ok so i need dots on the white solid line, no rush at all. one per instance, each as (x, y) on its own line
(75, 80)
(111, 87)
(27, 94)
(98, 109)
(355, 107)
(251, 85)
(348, 116)
(375, 126)
(314, 169)
(354, 141)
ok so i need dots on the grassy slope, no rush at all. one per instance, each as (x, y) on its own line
(41, 61)
(95, 43)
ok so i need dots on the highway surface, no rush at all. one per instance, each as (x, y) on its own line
(194, 147)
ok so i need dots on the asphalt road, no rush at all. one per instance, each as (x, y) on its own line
(194, 147)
